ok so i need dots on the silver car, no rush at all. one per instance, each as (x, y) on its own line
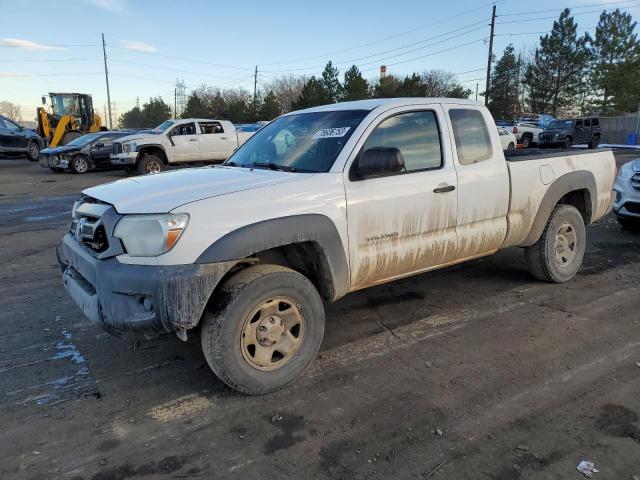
(627, 187)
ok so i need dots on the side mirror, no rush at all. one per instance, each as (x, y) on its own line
(44, 100)
(379, 161)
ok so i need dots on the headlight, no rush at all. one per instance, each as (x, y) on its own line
(626, 170)
(129, 147)
(150, 235)
(76, 204)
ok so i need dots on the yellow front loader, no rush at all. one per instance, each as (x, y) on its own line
(71, 117)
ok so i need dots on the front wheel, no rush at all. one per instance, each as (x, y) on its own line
(79, 164)
(557, 255)
(511, 146)
(33, 150)
(595, 141)
(266, 331)
(150, 164)
(526, 141)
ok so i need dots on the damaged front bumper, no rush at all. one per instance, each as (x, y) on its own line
(138, 298)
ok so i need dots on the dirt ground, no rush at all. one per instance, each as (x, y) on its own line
(476, 371)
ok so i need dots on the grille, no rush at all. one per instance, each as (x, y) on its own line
(88, 227)
(635, 182)
(117, 148)
(633, 208)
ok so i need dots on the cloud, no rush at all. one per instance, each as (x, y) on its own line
(26, 44)
(138, 46)
(112, 5)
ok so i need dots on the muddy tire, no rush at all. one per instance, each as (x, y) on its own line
(79, 164)
(149, 165)
(264, 329)
(33, 150)
(557, 255)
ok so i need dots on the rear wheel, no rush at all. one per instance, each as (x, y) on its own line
(526, 141)
(595, 141)
(150, 164)
(267, 331)
(557, 255)
(33, 150)
(79, 164)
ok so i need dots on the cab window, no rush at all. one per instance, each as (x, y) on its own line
(106, 140)
(185, 129)
(578, 124)
(473, 142)
(587, 123)
(415, 134)
(209, 128)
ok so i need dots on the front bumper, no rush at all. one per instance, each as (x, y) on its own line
(124, 158)
(627, 201)
(54, 161)
(138, 298)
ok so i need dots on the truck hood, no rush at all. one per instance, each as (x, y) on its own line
(163, 192)
(137, 136)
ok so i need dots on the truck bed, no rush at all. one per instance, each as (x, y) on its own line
(532, 172)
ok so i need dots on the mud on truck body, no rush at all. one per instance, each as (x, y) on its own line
(317, 204)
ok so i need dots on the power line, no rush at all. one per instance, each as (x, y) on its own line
(606, 4)
(382, 40)
(554, 17)
(170, 69)
(534, 33)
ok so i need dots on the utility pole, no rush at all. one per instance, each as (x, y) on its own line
(255, 92)
(106, 76)
(477, 91)
(493, 26)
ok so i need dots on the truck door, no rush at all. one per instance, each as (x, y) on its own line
(483, 182)
(101, 151)
(185, 145)
(403, 222)
(216, 143)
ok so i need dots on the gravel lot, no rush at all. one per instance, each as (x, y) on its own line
(476, 371)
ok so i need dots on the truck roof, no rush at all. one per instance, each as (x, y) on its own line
(387, 102)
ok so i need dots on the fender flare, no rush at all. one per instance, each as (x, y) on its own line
(570, 182)
(140, 148)
(277, 232)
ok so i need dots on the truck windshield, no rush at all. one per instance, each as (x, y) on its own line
(561, 124)
(304, 142)
(162, 127)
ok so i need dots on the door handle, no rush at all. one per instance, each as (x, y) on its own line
(223, 138)
(444, 189)
(193, 139)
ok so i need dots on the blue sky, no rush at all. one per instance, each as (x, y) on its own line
(151, 43)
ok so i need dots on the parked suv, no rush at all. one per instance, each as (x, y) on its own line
(17, 140)
(577, 131)
(627, 188)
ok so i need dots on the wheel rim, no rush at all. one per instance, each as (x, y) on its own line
(272, 334)
(33, 149)
(81, 165)
(565, 245)
(153, 167)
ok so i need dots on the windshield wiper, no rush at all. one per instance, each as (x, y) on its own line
(274, 166)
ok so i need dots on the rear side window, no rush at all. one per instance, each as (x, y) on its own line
(473, 142)
(208, 128)
(578, 124)
(587, 123)
(595, 122)
(415, 134)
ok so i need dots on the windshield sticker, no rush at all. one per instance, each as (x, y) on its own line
(331, 132)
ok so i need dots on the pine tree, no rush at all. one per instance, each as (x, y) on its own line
(355, 87)
(387, 87)
(196, 107)
(555, 77)
(331, 82)
(505, 85)
(270, 108)
(313, 94)
(616, 60)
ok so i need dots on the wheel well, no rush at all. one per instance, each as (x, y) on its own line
(306, 258)
(154, 151)
(580, 199)
(529, 135)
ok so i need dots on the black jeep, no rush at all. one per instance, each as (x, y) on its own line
(565, 133)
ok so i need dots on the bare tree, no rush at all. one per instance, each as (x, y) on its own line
(11, 110)
(287, 90)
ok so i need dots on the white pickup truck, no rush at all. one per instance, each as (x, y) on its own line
(317, 204)
(177, 141)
